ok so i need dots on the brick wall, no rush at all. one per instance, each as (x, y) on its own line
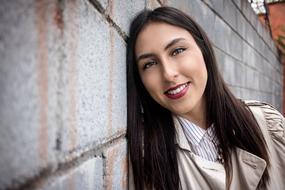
(63, 88)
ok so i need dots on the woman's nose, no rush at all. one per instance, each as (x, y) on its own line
(169, 70)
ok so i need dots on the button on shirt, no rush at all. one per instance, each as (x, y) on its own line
(204, 143)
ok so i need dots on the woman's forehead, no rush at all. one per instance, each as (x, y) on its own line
(158, 34)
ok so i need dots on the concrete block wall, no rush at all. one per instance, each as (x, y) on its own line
(63, 88)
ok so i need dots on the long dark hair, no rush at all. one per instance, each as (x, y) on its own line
(150, 127)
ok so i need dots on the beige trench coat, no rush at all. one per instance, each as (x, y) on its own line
(199, 174)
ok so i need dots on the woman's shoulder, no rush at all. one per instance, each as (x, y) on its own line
(271, 117)
(269, 111)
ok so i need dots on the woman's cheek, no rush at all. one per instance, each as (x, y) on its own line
(147, 79)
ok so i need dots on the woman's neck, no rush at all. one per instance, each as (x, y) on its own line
(198, 115)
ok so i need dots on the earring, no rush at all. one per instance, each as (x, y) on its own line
(142, 110)
(142, 113)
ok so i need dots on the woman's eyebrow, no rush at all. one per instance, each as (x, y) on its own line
(144, 56)
(171, 43)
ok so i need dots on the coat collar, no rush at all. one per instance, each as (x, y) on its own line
(247, 168)
(180, 136)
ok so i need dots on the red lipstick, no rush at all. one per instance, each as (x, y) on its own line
(177, 91)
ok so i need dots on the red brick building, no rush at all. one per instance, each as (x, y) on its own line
(276, 16)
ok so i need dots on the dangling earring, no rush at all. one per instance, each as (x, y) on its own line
(142, 112)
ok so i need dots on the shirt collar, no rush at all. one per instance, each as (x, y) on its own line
(194, 134)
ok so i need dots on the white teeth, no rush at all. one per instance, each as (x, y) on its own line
(177, 90)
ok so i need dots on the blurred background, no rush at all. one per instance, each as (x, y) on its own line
(63, 81)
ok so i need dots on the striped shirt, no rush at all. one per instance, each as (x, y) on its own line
(203, 143)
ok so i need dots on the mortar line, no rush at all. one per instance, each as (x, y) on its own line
(159, 2)
(97, 5)
(252, 26)
(218, 15)
(246, 64)
(104, 173)
(251, 89)
(61, 168)
(61, 58)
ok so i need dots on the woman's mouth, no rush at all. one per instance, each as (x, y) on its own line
(177, 91)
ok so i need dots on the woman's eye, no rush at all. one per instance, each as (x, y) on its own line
(177, 51)
(149, 64)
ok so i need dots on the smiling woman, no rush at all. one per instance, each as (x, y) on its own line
(186, 130)
(174, 72)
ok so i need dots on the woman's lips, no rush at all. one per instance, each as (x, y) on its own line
(178, 91)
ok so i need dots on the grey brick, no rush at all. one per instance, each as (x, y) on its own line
(80, 72)
(271, 58)
(235, 48)
(263, 47)
(247, 10)
(253, 19)
(259, 64)
(238, 3)
(265, 84)
(248, 55)
(209, 3)
(87, 176)
(28, 74)
(256, 41)
(199, 12)
(229, 72)
(220, 57)
(258, 44)
(205, 17)
(252, 79)
(249, 36)
(122, 12)
(236, 91)
(242, 74)
(104, 3)
(93, 92)
(259, 28)
(185, 6)
(241, 24)
(266, 37)
(152, 4)
(218, 6)
(116, 166)
(222, 34)
(230, 13)
(268, 70)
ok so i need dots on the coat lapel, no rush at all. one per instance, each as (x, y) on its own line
(181, 139)
(247, 170)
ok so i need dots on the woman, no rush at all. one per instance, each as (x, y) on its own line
(186, 130)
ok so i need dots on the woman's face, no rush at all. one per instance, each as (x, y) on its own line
(172, 68)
